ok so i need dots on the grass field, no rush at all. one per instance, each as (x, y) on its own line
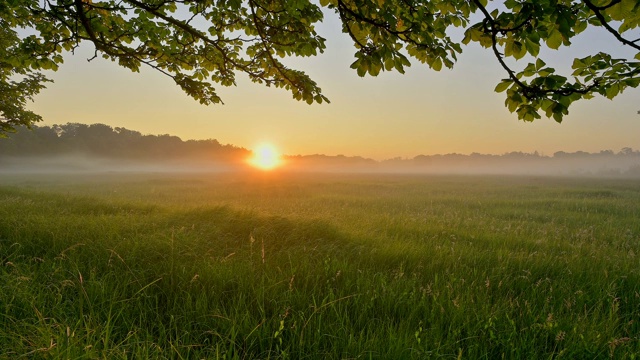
(256, 266)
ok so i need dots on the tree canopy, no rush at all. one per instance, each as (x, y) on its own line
(206, 42)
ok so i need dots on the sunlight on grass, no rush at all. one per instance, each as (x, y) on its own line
(393, 267)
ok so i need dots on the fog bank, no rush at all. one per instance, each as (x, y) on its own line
(604, 164)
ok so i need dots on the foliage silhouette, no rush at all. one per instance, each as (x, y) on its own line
(199, 43)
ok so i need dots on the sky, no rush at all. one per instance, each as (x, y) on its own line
(391, 115)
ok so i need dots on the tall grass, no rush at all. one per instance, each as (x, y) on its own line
(331, 266)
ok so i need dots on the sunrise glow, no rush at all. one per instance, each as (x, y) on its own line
(265, 157)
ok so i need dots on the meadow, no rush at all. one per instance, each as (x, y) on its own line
(318, 266)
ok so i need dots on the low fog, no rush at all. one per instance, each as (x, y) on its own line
(84, 163)
(590, 165)
(603, 164)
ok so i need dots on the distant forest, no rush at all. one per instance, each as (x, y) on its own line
(124, 145)
(103, 141)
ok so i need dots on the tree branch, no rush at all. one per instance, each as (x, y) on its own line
(603, 21)
(275, 63)
(530, 92)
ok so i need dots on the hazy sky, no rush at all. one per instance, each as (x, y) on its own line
(421, 112)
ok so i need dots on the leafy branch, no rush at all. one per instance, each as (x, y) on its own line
(201, 42)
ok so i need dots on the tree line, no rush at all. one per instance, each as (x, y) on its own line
(102, 140)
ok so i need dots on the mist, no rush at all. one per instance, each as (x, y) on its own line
(604, 164)
(85, 163)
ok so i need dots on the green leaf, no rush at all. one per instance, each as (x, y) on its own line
(532, 47)
(519, 51)
(503, 85)
(527, 113)
(546, 71)
(436, 64)
(375, 68)
(554, 40)
(612, 91)
(580, 26)
(529, 70)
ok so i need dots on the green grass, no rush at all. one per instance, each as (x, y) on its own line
(249, 266)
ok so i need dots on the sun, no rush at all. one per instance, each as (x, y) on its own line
(265, 157)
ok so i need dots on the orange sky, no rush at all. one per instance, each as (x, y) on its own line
(421, 112)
